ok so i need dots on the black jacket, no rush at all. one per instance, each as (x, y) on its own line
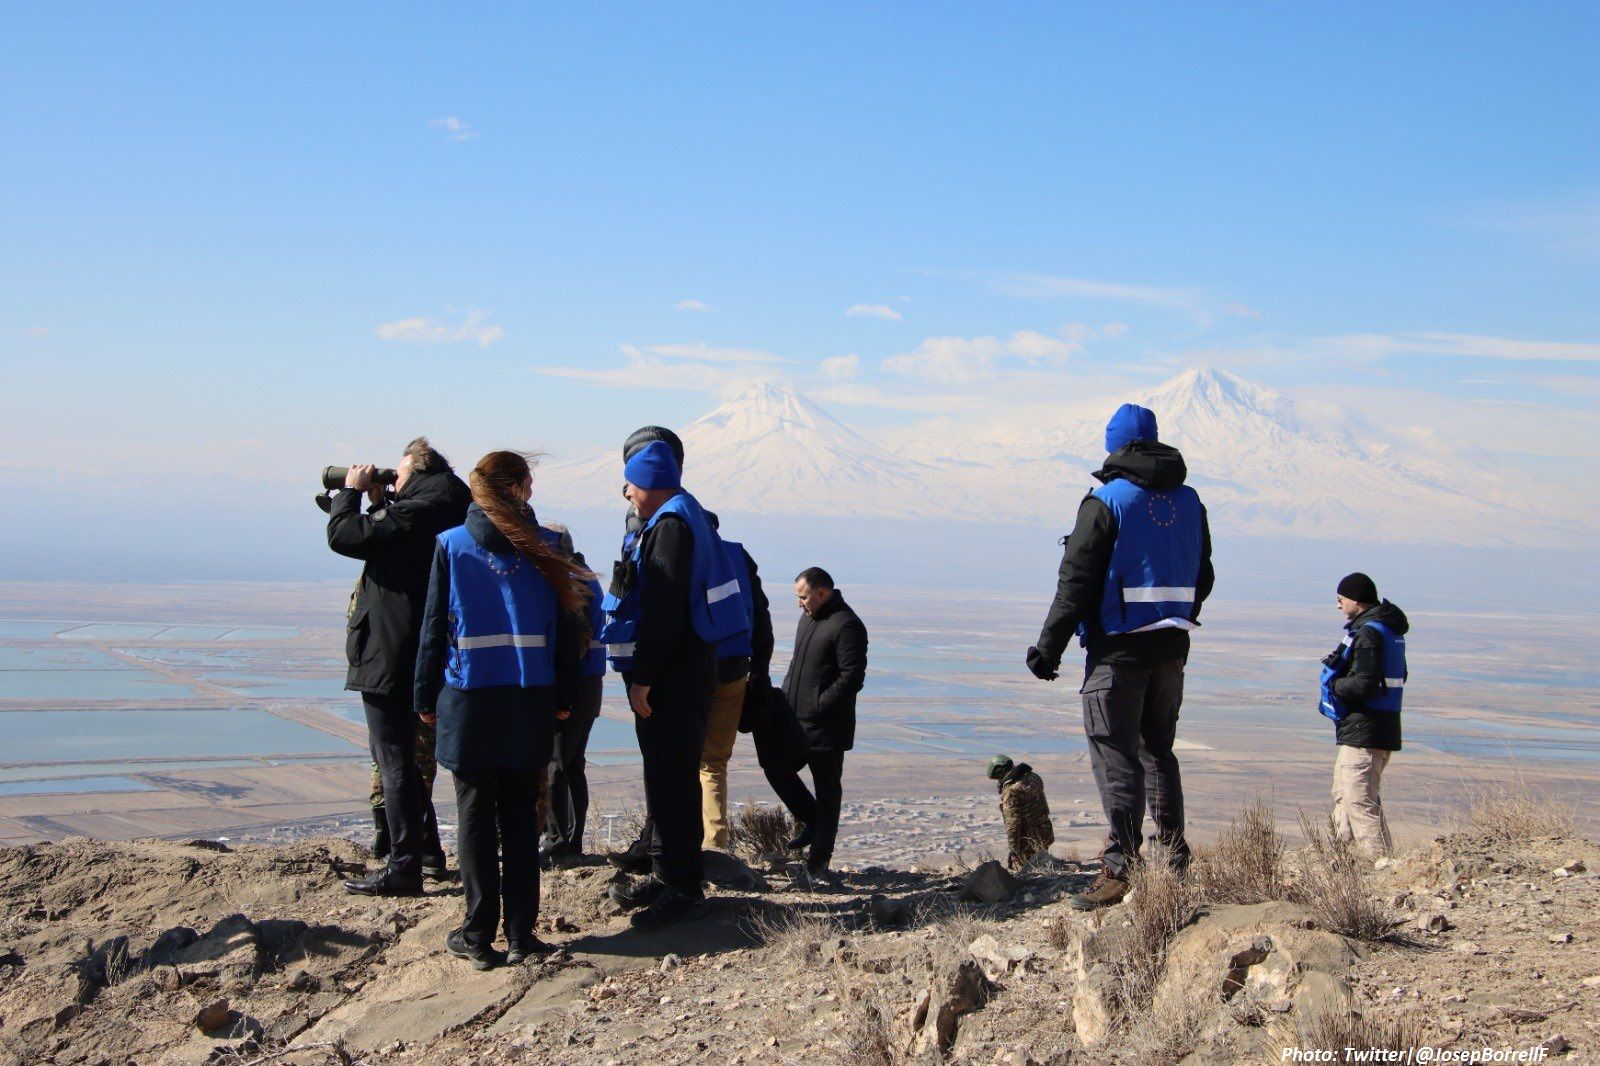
(828, 668)
(1362, 728)
(503, 726)
(668, 654)
(1153, 466)
(396, 540)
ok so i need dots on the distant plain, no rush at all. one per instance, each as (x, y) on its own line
(218, 710)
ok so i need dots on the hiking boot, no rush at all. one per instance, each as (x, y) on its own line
(1102, 892)
(636, 860)
(670, 906)
(802, 839)
(637, 894)
(482, 956)
(380, 833)
(527, 948)
(385, 883)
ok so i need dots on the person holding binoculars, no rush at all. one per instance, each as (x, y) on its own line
(394, 539)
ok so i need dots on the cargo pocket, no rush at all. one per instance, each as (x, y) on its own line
(355, 637)
(1096, 693)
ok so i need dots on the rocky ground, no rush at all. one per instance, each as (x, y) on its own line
(174, 952)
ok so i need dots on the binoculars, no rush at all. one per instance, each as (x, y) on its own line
(333, 477)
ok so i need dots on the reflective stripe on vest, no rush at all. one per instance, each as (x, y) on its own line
(500, 640)
(1158, 594)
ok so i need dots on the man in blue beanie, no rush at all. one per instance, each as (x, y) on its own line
(1136, 568)
(673, 597)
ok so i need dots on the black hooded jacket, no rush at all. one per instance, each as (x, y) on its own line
(1362, 728)
(1150, 465)
(395, 539)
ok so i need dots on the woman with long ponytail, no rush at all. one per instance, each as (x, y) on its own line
(502, 636)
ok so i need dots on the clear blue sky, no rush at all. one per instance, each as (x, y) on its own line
(244, 234)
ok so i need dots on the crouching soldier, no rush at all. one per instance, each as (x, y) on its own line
(1025, 810)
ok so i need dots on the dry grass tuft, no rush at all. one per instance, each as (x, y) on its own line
(1338, 1030)
(1246, 865)
(759, 830)
(1507, 815)
(1160, 902)
(1334, 883)
(868, 1029)
(785, 933)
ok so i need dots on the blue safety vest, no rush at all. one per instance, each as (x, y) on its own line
(502, 617)
(716, 610)
(739, 644)
(1392, 690)
(1155, 562)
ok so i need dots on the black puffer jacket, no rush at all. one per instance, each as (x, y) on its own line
(395, 540)
(1150, 465)
(1362, 728)
(828, 668)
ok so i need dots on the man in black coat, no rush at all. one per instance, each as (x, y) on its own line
(395, 540)
(828, 668)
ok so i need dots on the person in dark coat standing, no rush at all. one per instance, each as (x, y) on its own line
(568, 774)
(1136, 568)
(1364, 684)
(498, 660)
(395, 540)
(827, 670)
(672, 600)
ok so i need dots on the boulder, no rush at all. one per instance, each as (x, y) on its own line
(213, 1016)
(998, 959)
(954, 990)
(989, 883)
(728, 871)
(1094, 1005)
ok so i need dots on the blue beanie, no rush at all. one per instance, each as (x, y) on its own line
(653, 467)
(1130, 423)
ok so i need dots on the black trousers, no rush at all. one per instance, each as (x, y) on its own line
(671, 742)
(569, 783)
(496, 819)
(1130, 715)
(820, 812)
(392, 736)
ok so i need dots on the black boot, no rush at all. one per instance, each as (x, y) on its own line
(802, 839)
(635, 860)
(380, 834)
(385, 883)
(434, 865)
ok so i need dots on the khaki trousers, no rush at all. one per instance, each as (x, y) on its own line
(722, 730)
(1357, 807)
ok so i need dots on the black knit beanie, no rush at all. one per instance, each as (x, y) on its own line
(1358, 587)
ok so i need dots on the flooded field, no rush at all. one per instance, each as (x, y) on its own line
(239, 712)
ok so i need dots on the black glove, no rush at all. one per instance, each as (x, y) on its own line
(1042, 670)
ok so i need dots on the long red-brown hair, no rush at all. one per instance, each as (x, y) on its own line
(496, 482)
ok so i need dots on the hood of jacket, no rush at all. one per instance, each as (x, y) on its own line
(1017, 773)
(439, 487)
(484, 532)
(1148, 464)
(1384, 612)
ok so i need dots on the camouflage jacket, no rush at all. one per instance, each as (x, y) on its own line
(1026, 814)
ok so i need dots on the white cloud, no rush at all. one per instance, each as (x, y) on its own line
(39, 331)
(694, 367)
(700, 352)
(420, 330)
(453, 128)
(1114, 329)
(692, 305)
(1378, 345)
(840, 367)
(873, 311)
(968, 360)
(1194, 302)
